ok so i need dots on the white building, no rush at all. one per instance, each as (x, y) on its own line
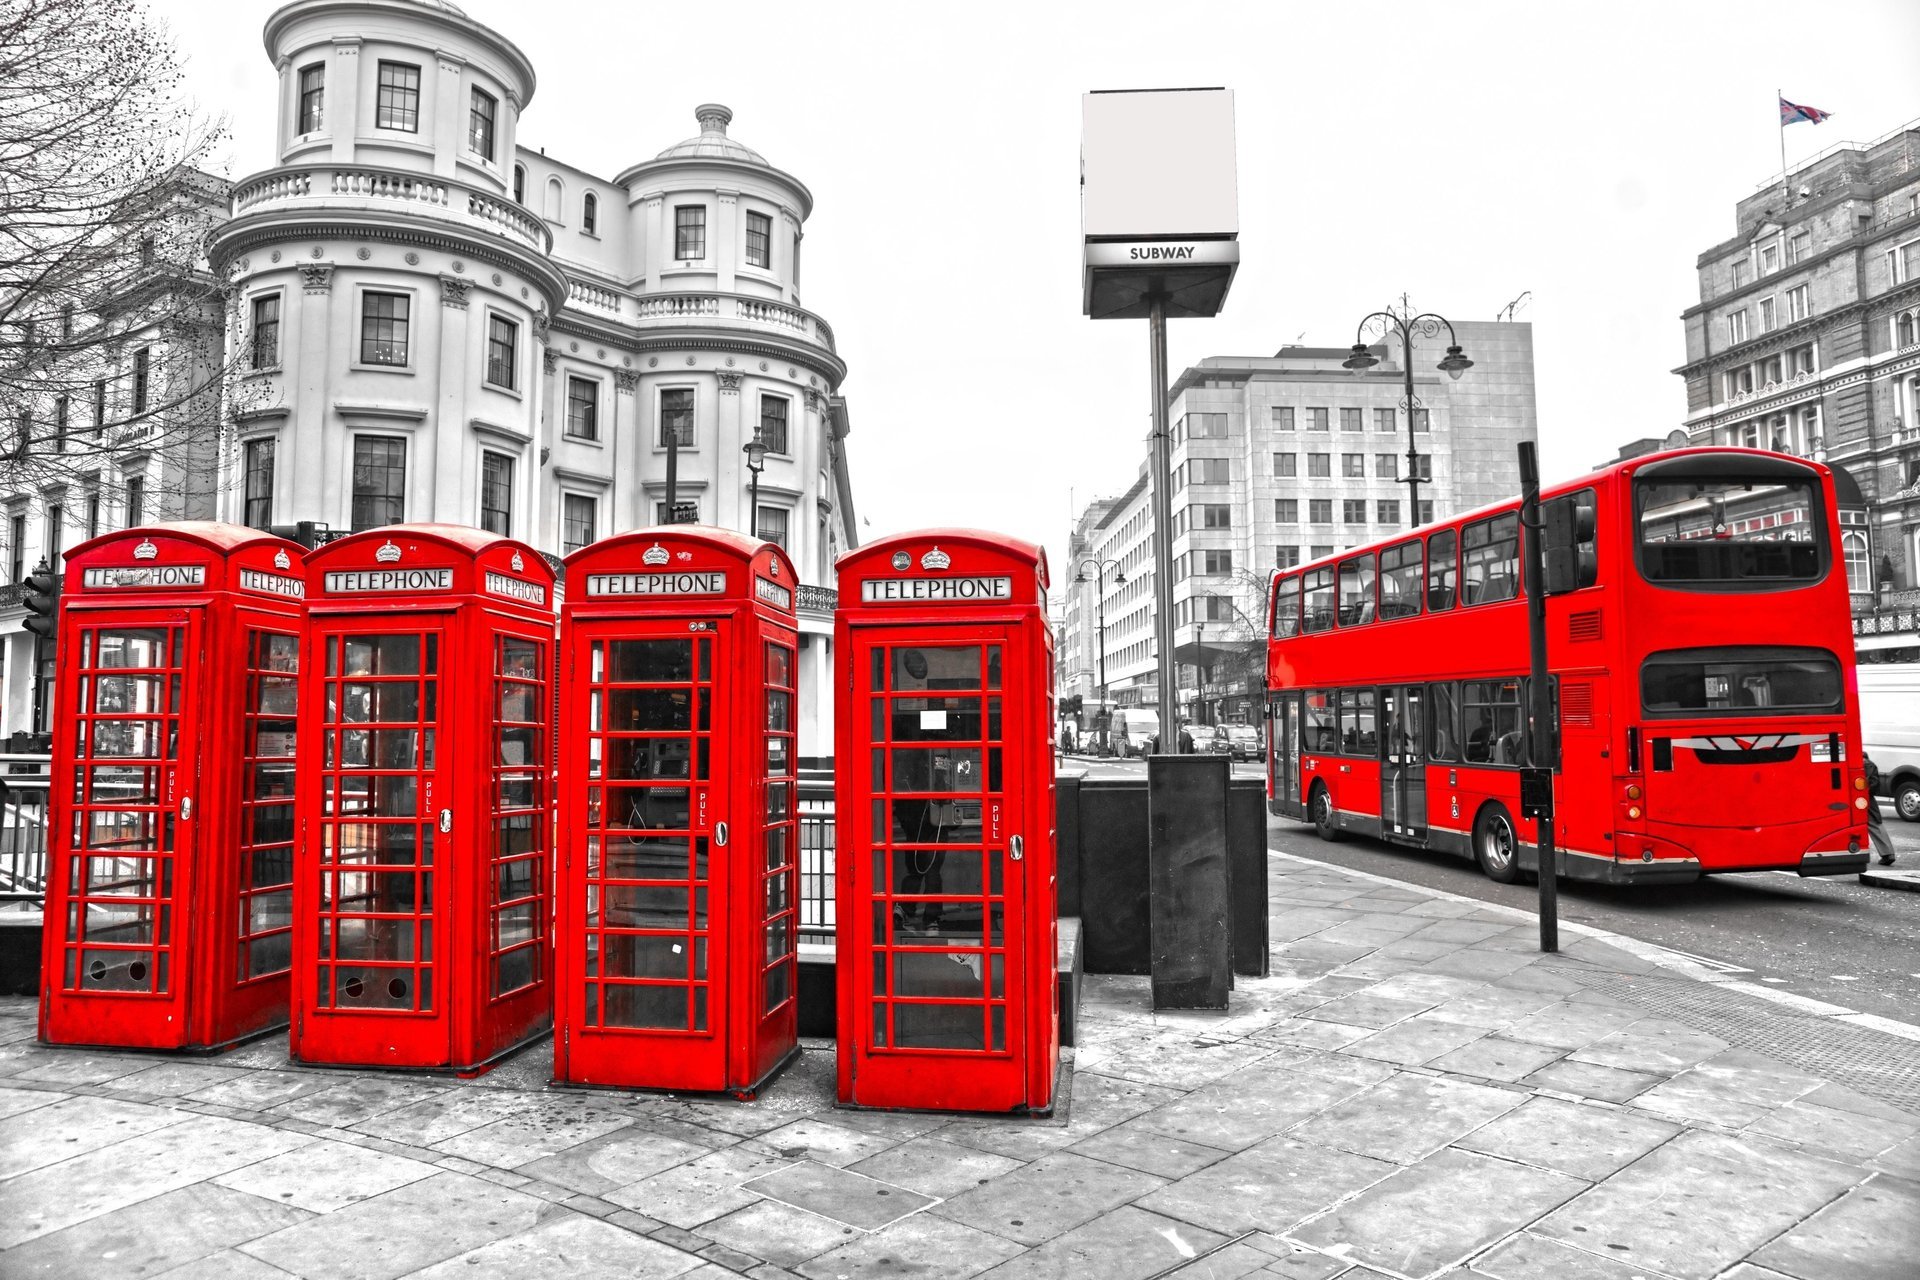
(436, 323)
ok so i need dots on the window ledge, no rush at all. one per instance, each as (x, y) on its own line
(270, 371)
(511, 392)
(594, 442)
(404, 369)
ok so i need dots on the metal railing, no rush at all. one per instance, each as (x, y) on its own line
(816, 861)
(23, 827)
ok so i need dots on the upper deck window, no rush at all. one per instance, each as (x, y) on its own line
(1715, 531)
(1286, 609)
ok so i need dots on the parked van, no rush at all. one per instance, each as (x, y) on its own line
(1890, 723)
(1134, 731)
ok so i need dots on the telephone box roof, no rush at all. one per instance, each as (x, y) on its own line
(460, 537)
(211, 534)
(1019, 548)
(724, 540)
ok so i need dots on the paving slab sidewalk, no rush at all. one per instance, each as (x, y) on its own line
(1414, 1092)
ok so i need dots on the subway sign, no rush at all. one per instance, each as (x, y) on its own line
(146, 575)
(916, 590)
(712, 583)
(380, 581)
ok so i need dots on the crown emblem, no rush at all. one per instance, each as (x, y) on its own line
(773, 568)
(281, 560)
(935, 559)
(518, 564)
(655, 554)
(146, 550)
(387, 553)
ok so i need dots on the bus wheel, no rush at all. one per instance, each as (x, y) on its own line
(1906, 799)
(1495, 845)
(1320, 805)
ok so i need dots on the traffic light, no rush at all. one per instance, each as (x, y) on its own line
(42, 599)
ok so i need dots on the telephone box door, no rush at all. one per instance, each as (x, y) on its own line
(652, 828)
(385, 822)
(940, 861)
(134, 690)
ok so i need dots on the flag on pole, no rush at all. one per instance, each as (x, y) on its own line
(1794, 113)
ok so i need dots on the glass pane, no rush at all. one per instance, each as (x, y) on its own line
(645, 1006)
(944, 770)
(935, 1026)
(654, 710)
(937, 668)
(650, 660)
(361, 987)
(382, 655)
(936, 719)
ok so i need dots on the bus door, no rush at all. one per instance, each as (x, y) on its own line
(1283, 756)
(1403, 768)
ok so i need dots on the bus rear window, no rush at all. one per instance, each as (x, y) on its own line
(1729, 534)
(1740, 681)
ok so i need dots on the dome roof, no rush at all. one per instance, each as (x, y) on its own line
(712, 142)
(444, 5)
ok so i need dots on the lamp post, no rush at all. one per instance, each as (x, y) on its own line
(756, 453)
(1405, 324)
(1100, 568)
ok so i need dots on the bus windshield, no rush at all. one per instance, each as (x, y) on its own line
(1724, 533)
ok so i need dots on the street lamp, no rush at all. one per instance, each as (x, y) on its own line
(756, 452)
(1404, 323)
(1100, 568)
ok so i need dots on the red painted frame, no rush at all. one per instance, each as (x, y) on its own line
(730, 597)
(217, 586)
(994, 591)
(482, 598)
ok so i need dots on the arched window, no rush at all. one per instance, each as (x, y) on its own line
(1853, 548)
(555, 198)
(589, 213)
(1904, 330)
(520, 184)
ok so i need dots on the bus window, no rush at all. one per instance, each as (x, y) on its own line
(1286, 609)
(1357, 736)
(1738, 680)
(1318, 597)
(1490, 568)
(1726, 532)
(1443, 722)
(1317, 732)
(1400, 580)
(1356, 591)
(1440, 571)
(1490, 714)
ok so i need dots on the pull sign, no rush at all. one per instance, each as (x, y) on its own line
(186, 808)
(720, 834)
(993, 821)
(446, 820)
(700, 812)
(1016, 848)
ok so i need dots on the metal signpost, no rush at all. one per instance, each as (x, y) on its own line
(1536, 780)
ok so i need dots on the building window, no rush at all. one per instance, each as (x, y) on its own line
(1316, 419)
(676, 417)
(1423, 465)
(589, 213)
(1386, 465)
(379, 481)
(1286, 557)
(1769, 259)
(503, 338)
(266, 331)
(679, 513)
(1387, 511)
(1800, 360)
(141, 361)
(1214, 515)
(1284, 464)
(1426, 511)
(1319, 465)
(313, 97)
(1283, 417)
(17, 548)
(1212, 471)
(1320, 511)
(1737, 326)
(99, 403)
(1383, 420)
(1286, 510)
(496, 493)
(1766, 315)
(1319, 552)
(1742, 270)
(556, 200)
(383, 330)
(759, 240)
(689, 232)
(258, 472)
(1903, 262)
(1853, 547)
(583, 408)
(519, 184)
(1353, 466)
(1350, 420)
(579, 518)
(480, 113)
(60, 413)
(398, 105)
(1353, 511)
(1204, 426)
(771, 524)
(1903, 329)
(136, 500)
(1798, 307)
(93, 515)
(1422, 420)
(773, 423)
(1799, 245)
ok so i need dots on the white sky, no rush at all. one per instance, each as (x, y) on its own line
(1463, 153)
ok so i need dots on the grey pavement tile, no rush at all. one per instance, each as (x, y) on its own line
(851, 1198)
(1436, 989)
(1843, 1133)
(570, 1245)
(441, 1115)
(1591, 1080)
(1588, 1142)
(1670, 1210)
(401, 1231)
(547, 1125)
(1901, 1159)
(778, 1233)
(1492, 1007)
(1419, 1039)
(152, 1236)
(824, 1140)
(1417, 1221)
(1732, 1089)
(935, 1167)
(1539, 978)
(1871, 1233)
(614, 1160)
(1344, 1069)
(1050, 1196)
(1495, 1057)
(1314, 1033)
(14, 1102)
(1365, 1009)
(1531, 1257)
(71, 1066)
(1247, 1107)
(258, 1090)
(711, 1271)
(1266, 1188)
(176, 1079)
(1126, 1244)
(692, 1193)
(745, 1263)
(1185, 1064)
(1100, 1102)
(1415, 949)
(73, 1126)
(228, 1264)
(132, 1170)
(1652, 1044)
(1747, 1271)
(326, 1175)
(1136, 1146)
(1408, 1117)
(349, 1100)
(1841, 1098)
(1228, 1263)
(924, 1247)
(1463, 930)
(1472, 962)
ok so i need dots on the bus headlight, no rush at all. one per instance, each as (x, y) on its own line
(1859, 802)
(1633, 811)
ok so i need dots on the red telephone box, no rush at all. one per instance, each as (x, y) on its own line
(679, 893)
(421, 889)
(170, 835)
(947, 910)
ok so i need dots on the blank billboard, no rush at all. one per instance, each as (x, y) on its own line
(1157, 163)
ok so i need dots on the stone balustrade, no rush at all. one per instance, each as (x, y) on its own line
(583, 293)
(731, 310)
(300, 188)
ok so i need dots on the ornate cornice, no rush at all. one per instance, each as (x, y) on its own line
(730, 342)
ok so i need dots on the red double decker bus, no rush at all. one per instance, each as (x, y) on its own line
(1702, 670)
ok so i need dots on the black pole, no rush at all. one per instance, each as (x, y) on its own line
(673, 476)
(1106, 716)
(1537, 786)
(753, 516)
(1164, 630)
(1413, 443)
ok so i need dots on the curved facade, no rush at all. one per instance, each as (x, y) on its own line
(436, 324)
